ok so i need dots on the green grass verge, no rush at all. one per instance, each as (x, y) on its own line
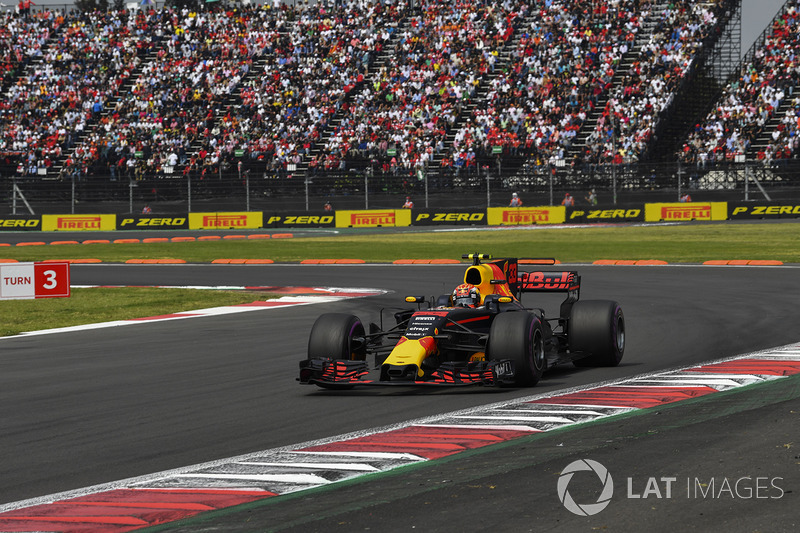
(674, 244)
(101, 304)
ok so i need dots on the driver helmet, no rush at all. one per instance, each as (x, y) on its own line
(466, 295)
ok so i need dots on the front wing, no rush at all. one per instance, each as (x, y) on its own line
(342, 373)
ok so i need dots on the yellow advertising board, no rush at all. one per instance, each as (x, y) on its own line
(684, 212)
(79, 222)
(373, 218)
(525, 216)
(242, 220)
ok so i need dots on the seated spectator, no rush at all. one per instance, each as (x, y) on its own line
(625, 130)
(751, 100)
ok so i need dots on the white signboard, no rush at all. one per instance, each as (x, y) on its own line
(20, 281)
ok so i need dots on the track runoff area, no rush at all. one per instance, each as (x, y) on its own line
(168, 496)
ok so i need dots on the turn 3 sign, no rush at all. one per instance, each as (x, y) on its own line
(20, 281)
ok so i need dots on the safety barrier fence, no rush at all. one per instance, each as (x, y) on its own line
(370, 218)
(369, 188)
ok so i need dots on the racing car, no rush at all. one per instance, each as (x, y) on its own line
(482, 334)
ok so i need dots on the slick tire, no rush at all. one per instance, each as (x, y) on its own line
(334, 335)
(597, 328)
(518, 336)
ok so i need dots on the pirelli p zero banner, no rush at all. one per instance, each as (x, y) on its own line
(592, 215)
(300, 219)
(757, 210)
(684, 212)
(20, 223)
(433, 217)
(373, 218)
(243, 220)
(525, 216)
(152, 222)
(79, 222)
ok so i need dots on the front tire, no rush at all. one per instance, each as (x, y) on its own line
(518, 336)
(597, 328)
(334, 335)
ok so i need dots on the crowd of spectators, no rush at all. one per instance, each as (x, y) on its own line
(173, 100)
(625, 129)
(82, 65)
(180, 67)
(748, 102)
(178, 112)
(322, 56)
(438, 60)
(563, 61)
(152, 92)
(23, 37)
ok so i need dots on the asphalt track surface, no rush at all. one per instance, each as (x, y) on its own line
(90, 407)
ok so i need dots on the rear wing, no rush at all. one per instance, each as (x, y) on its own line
(539, 281)
(564, 281)
(506, 272)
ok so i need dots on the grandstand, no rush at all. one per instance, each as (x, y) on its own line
(756, 116)
(445, 99)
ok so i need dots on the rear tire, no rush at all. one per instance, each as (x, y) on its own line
(518, 336)
(332, 336)
(597, 327)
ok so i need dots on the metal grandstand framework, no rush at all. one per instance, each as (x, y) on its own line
(714, 65)
(726, 56)
(617, 185)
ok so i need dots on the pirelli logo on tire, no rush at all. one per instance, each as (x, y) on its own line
(432, 217)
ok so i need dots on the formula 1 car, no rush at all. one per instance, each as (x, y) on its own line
(497, 341)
